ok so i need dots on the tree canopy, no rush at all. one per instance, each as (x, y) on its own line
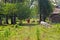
(45, 8)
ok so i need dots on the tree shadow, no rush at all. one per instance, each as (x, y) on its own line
(25, 24)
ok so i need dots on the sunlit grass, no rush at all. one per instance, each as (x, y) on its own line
(33, 32)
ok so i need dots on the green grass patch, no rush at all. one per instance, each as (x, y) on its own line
(29, 32)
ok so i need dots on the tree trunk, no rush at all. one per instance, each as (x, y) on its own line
(7, 19)
(13, 19)
(0, 21)
(20, 23)
(42, 17)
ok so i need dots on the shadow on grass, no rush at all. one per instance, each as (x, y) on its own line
(24, 24)
(28, 24)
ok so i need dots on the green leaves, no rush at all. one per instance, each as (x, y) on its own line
(34, 11)
(1, 7)
(45, 8)
(23, 11)
(10, 8)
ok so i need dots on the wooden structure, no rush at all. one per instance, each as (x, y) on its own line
(55, 16)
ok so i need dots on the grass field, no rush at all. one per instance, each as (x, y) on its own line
(30, 32)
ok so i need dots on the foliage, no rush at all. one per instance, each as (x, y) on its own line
(10, 9)
(45, 8)
(23, 11)
(1, 8)
(34, 11)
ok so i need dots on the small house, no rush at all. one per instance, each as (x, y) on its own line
(55, 16)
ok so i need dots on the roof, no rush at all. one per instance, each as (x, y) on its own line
(56, 11)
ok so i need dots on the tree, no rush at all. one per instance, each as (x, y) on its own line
(45, 8)
(23, 11)
(1, 12)
(6, 12)
(13, 12)
(10, 11)
(34, 11)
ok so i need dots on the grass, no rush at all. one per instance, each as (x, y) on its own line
(27, 32)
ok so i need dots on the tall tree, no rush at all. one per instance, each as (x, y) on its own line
(6, 12)
(13, 13)
(1, 12)
(10, 11)
(23, 11)
(45, 8)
